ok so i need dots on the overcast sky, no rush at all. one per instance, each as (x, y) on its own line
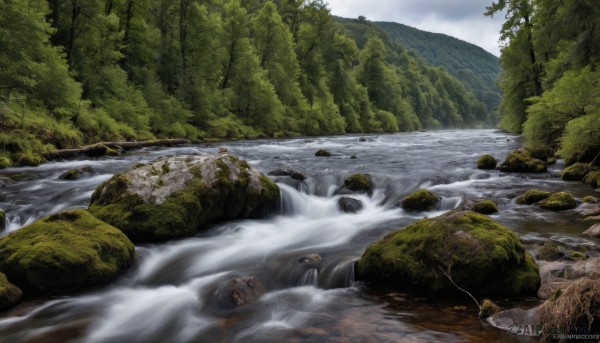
(462, 19)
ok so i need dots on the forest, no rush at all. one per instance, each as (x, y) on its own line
(550, 80)
(75, 72)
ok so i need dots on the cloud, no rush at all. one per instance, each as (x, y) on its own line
(462, 19)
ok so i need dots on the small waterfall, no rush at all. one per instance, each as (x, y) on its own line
(310, 278)
(450, 203)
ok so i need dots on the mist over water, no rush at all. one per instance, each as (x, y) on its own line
(172, 294)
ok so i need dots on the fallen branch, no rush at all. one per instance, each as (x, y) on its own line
(100, 149)
(455, 285)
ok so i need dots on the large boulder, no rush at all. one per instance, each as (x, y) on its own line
(421, 200)
(10, 294)
(575, 172)
(486, 162)
(521, 161)
(558, 201)
(479, 254)
(173, 197)
(65, 252)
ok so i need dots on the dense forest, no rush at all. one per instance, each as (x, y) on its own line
(478, 69)
(80, 71)
(550, 80)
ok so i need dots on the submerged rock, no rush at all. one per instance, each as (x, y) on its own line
(74, 174)
(559, 201)
(485, 207)
(288, 172)
(360, 183)
(487, 162)
(10, 295)
(240, 291)
(479, 254)
(532, 196)
(349, 205)
(550, 251)
(488, 308)
(421, 200)
(173, 197)
(65, 252)
(312, 260)
(521, 161)
(322, 153)
(575, 172)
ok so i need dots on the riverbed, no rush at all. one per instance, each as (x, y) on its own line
(169, 296)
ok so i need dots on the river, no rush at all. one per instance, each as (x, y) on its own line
(169, 296)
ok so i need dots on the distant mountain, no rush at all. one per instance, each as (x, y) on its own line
(475, 67)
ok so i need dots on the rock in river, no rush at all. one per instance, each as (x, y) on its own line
(479, 254)
(521, 161)
(10, 294)
(173, 197)
(421, 200)
(240, 291)
(486, 162)
(64, 252)
(349, 205)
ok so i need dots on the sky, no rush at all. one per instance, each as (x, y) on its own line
(462, 19)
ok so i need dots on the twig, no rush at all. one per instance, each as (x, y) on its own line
(455, 285)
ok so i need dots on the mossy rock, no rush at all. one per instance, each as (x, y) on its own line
(65, 252)
(532, 196)
(485, 207)
(359, 183)
(486, 162)
(550, 251)
(521, 161)
(2, 220)
(592, 178)
(10, 295)
(30, 159)
(542, 153)
(487, 309)
(479, 254)
(590, 199)
(322, 153)
(74, 174)
(559, 201)
(421, 200)
(174, 197)
(575, 172)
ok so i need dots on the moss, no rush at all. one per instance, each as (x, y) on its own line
(481, 256)
(71, 174)
(421, 200)
(551, 160)
(323, 153)
(521, 161)
(359, 183)
(185, 212)
(590, 199)
(593, 179)
(485, 207)
(549, 252)
(2, 220)
(5, 162)
(578, 255)
(575, 172)
(65, 252)
(559, 201)
(487, 162)
(532, 196)
(10, 294)
(487, 309)
(112, 152)
(542, 153)
(28, 158)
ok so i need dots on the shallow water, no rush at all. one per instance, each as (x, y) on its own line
(170, 295)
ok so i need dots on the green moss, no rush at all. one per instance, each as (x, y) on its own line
(542, 153)
(487, 162)
(10, 294)
(112, 152)
(485, 207)
(185, 212)
(575, 172)
(487, 309)
(65, 252)
(5, 162)
(549, 252)
(559, 201)
(481, 255)
(578, 255)
(521, 161)
(590, 199)
(532, 196)
(593, 179)
(28, 158)
(421, 200)
(323, 153)
(359, 183)
(71, 174)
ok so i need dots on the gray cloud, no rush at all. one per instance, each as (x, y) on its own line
(462, 19)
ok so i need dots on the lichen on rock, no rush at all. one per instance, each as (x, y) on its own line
(174, 197)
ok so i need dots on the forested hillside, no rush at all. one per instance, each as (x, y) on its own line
(476, 68)
(80, 71)
(550, 80)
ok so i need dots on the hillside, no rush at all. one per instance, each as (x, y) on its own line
(476, 68)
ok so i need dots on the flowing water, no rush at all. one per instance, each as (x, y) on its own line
(171, 294)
